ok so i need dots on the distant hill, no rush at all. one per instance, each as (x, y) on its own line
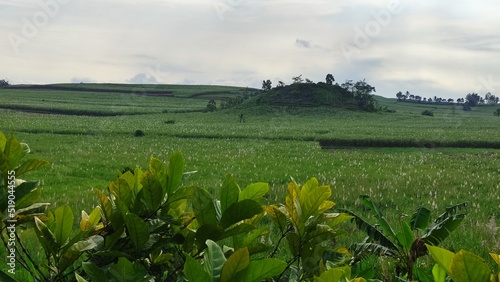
(320, 94)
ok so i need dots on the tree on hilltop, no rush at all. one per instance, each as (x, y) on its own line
(329, 79)
(298, 79)
(4, 83)
(266, 85)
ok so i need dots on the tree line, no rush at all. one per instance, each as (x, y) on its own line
(470, 100)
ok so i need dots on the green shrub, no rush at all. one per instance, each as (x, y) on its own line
(428, 113)
(139, 133)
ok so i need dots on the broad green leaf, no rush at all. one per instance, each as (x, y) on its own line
(378, 215)
(3, 141)
(238, 261)
(278, 217)
(214, 260)
(30, 165)
(138, 230)
(335, 274)
(405, 237)
(152, 191)
(120, 188)
(293, 243)
(30, 198)
(335, 219)
(79, 278)
(251, 236)
(262, 269)
(229, 192)
(175, 172)
(441, 256)
(240, 211)
(194, 271)
(203, 207)
(420, 219)
(126, 271)
(64, 224)
(89, 221)
(292, 204)
(468, 267)
(46, 237)
(312, 196)
(106, 206)
(13, 151)
(438, 273)
(254, 191)
(4, 277)
(76, 250)
(95, 273)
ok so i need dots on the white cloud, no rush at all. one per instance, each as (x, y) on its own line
(428, 46)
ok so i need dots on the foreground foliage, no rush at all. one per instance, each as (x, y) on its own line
(147, 226)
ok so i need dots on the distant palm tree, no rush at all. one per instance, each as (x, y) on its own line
(497, 113)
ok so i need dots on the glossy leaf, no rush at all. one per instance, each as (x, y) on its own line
(292, 204)
(214, 260)
(105, 204)
(46, 237)
(95, 273)
(126, 271)
(76, 250)
(120, 188)
(278, 217)
(229, 193)
(64, 224)
(194, 271)
(239, 211)
(31, 197)
(439, 273)
(468, 267)
(138, 230)
(175, 172)
(152, 192)
(441, 256)
(335, 274)
(312, 197)
(89, 221)
(405, 237)
(238, 261)
(262, 269)
(13, 152)
(30, 165)
(3, 141)
(203, 207)
(254, 191)
(495, 257)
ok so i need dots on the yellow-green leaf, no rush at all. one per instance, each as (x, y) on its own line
(229, 193)
(468, 267)
(238, 261)
(441, 256)
(254, 191)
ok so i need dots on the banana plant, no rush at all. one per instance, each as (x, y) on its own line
(308, 227)
(407, 245)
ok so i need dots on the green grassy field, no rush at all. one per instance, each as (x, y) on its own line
(272, 145)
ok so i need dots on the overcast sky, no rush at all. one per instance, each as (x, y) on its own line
(444, 48)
